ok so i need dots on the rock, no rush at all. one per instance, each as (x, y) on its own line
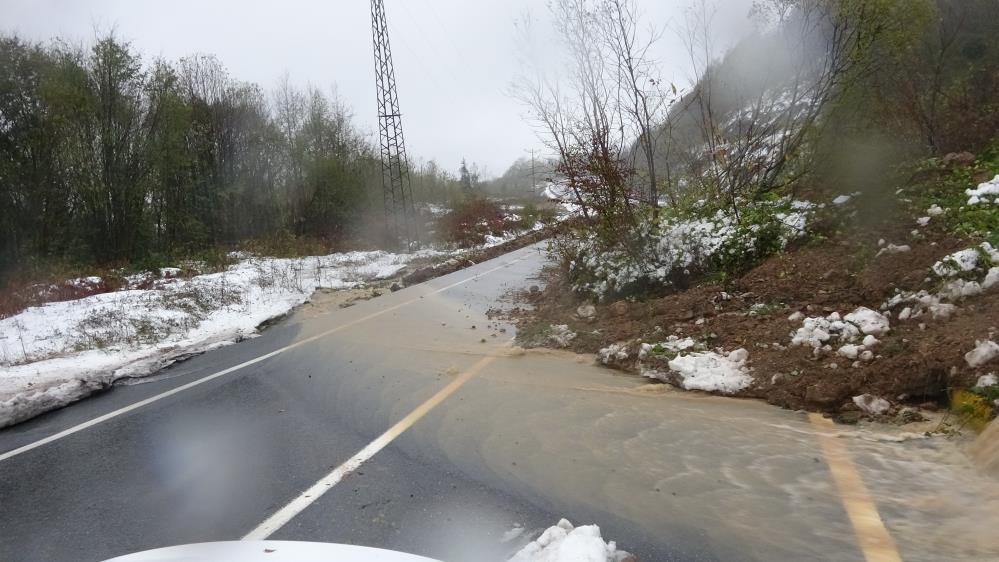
(534, 289)
(848, 418)
(826, 393)
(909, 415)
(929, 406)
(961, 158)
(395, 287)
(620, 308)
(871, 404)
(586, 311)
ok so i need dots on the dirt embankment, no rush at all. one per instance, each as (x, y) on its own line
(916, 364)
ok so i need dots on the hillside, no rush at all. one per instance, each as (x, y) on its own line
(886, 303)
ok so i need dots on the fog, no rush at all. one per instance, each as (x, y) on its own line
(454, 60)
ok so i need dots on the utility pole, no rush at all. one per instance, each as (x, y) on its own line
(397, 192)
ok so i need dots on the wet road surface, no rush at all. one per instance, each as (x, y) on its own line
(526, 439)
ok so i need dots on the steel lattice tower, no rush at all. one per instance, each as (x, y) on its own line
(396, 189)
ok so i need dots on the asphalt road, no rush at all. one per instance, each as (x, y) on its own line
(522, 441)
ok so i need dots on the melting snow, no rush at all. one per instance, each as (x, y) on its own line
(869, 321)
(60, 352)
(984, 191)
(984, 352)
(986, 381)
(818, 332)
(565, 543)
(561, 335)
(613, 352)
(712, 372)
(958, 262)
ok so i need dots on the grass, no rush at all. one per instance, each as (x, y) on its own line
(534, 334)
(973, 410)
(945, 186)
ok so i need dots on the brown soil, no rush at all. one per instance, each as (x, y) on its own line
(916, 365)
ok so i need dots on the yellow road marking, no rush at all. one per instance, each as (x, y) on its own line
(872, 536)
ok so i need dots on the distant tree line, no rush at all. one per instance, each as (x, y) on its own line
(109, 158)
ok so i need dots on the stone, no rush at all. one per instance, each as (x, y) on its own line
(871, 404)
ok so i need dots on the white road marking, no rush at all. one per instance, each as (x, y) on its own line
(111, 415)
(282, 516)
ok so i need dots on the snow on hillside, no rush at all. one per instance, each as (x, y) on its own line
(678, 246)
(57, 353)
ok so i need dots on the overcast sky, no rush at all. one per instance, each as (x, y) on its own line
(454, 59)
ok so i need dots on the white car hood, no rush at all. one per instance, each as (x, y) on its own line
(269, 551)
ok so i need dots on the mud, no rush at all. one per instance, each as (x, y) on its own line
(916, 364)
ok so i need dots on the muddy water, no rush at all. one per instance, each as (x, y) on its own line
(741, 479)
(985, 450)
(747, 479)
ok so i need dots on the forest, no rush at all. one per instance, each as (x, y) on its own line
(107, 157)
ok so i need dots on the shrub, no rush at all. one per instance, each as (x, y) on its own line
(470, 221)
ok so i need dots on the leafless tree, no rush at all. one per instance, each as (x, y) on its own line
(646, 102)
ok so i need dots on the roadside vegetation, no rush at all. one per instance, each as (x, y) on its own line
(813, 223)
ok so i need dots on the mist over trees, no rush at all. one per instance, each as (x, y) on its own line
(107, 157)
(763, 115)
(823, 97)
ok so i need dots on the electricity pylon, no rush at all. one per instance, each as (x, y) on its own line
(396, 188)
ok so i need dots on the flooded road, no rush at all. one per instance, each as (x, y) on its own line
(518, 440)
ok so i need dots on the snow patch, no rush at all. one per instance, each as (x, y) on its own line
(850, 351)
(894, 249)
(986, 381)
(983, 192)
(680, 247)
(613, 353)
(62, 351)
(984, 352)
(673, 344)
(565, 543)
(713, 372)
(561, 335)
(965, 260)
(991, 278)
(842, 199)
(869, 321)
